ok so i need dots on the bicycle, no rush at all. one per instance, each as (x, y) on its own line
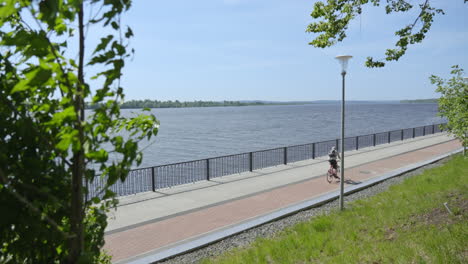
(333, 174)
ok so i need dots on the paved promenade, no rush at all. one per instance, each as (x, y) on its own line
(150, 222)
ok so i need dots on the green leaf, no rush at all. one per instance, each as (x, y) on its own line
(20, 86)
(64, 142)
(68, 114)
(115, 25)
(32, 79)
(7, 9)
(60, 28)
(99, 156)
(104, 42)
(120, 49)
(129, 33)
(42, 76)
(48, 11)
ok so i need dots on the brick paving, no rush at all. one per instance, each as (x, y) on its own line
(142, 239)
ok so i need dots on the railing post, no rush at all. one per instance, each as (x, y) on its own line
(153, 184)
(251, 161)
(432, 128)
(337, 145)
(207, 169)
(357, 143)
(414, 132)
(424, 131)
(285, 155)
(374, 139)
(313, 150)
(388, 136)
(401, 135)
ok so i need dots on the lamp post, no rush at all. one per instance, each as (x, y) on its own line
(343, 59)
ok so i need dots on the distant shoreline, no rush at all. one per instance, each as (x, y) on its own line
(140, 104)
(420, 101)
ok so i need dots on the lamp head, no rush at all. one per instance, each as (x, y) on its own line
(343, 59)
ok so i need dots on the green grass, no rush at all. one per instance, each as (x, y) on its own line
(406, 224)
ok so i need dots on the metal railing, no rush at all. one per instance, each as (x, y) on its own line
(169, 175)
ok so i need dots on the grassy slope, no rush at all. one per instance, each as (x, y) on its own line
(406, 224)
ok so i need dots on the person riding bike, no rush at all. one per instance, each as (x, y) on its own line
(332, 155)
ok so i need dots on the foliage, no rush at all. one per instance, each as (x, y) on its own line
(335, 15)
(406, 224)
(48, 147)
(453, 103)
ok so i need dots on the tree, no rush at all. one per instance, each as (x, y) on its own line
(50, 149)
(334, 17)
(453, 104)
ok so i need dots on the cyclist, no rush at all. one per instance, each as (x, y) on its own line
(332, 155)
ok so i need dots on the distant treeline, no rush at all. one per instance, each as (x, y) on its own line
(177, 104)
(419, 101)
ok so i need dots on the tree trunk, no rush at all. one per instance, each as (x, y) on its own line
(78, 165)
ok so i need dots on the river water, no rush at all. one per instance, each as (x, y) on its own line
(197, 133)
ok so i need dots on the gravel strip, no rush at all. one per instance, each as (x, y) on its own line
(269, 230)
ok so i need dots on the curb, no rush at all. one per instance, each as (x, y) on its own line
(192, 244)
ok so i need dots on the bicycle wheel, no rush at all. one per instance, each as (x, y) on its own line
(329, 176)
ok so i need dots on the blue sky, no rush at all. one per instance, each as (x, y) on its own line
(258, 49)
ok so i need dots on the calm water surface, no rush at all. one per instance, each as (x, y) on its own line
(196, 133)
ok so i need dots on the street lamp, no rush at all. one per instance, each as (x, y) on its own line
(343, 59)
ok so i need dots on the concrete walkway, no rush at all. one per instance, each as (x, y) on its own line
(149, 222)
